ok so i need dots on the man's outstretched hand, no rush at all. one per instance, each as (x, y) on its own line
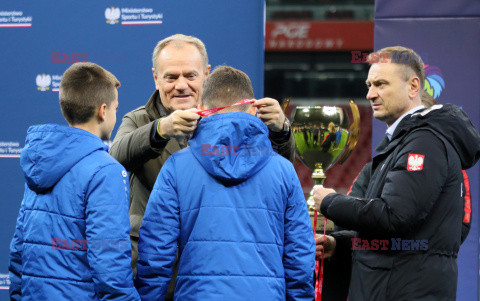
(270, 112)
(179, 124)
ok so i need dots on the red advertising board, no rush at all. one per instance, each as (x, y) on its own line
(318, 36)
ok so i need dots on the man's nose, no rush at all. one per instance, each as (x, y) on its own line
(372, 93)
(181, 83)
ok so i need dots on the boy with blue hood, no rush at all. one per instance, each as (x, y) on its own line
(72, 235)
(235, 208)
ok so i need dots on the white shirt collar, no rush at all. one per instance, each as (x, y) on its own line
(391, 129)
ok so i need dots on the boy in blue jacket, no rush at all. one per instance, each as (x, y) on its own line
(234, 207)
(72, 235)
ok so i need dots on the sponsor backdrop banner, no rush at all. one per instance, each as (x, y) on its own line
(39, 40)
(318, 36)
(452, 76)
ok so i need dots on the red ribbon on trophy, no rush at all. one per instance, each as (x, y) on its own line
(319, 265)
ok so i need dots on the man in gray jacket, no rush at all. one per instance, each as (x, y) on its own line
(149, 134)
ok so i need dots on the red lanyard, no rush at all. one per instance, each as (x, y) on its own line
(319, 265)
(205, 113)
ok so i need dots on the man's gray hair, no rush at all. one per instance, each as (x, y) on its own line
(179, 40)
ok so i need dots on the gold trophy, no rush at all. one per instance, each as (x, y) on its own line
(324, 136)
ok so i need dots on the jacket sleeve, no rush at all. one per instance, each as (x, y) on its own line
(343, 237)
(107, 234)
(285, 147)
(407, 196)
(15, 265)
(299, 248)
(158, 236)
(132, 145)
(343, 248)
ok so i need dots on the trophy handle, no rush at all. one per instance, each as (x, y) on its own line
(285, 104)
(354, 132)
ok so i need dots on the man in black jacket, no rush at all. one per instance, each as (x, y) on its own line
(408, 224)
(360, 184)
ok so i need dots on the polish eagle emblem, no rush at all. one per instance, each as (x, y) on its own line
(43, 82)
(112, 14)
(415, 162)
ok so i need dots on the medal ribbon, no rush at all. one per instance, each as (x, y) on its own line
(319, 265)
(205, 113)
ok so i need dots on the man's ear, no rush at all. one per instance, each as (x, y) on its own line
(102, 112)
(252, 110)
(207, 72)
(414, 87)
(155, 78)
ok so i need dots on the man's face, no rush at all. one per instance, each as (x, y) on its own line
(179, 76)
(388, 92)
(110, 118)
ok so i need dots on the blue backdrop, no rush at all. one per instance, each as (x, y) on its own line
(40, 39)
(447, 36)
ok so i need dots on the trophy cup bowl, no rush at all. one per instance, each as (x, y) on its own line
(324, 136)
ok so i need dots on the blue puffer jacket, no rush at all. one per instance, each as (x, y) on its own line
(72, 235)
(239, 216)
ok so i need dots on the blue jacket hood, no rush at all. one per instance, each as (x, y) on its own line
(231, 147)
(52, 150)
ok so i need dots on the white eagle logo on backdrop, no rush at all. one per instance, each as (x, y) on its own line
(112, 14)
(43, 82)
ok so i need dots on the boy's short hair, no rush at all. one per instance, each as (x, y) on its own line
(84, 88)
(225, 86)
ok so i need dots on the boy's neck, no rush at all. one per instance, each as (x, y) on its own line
(90, 126)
